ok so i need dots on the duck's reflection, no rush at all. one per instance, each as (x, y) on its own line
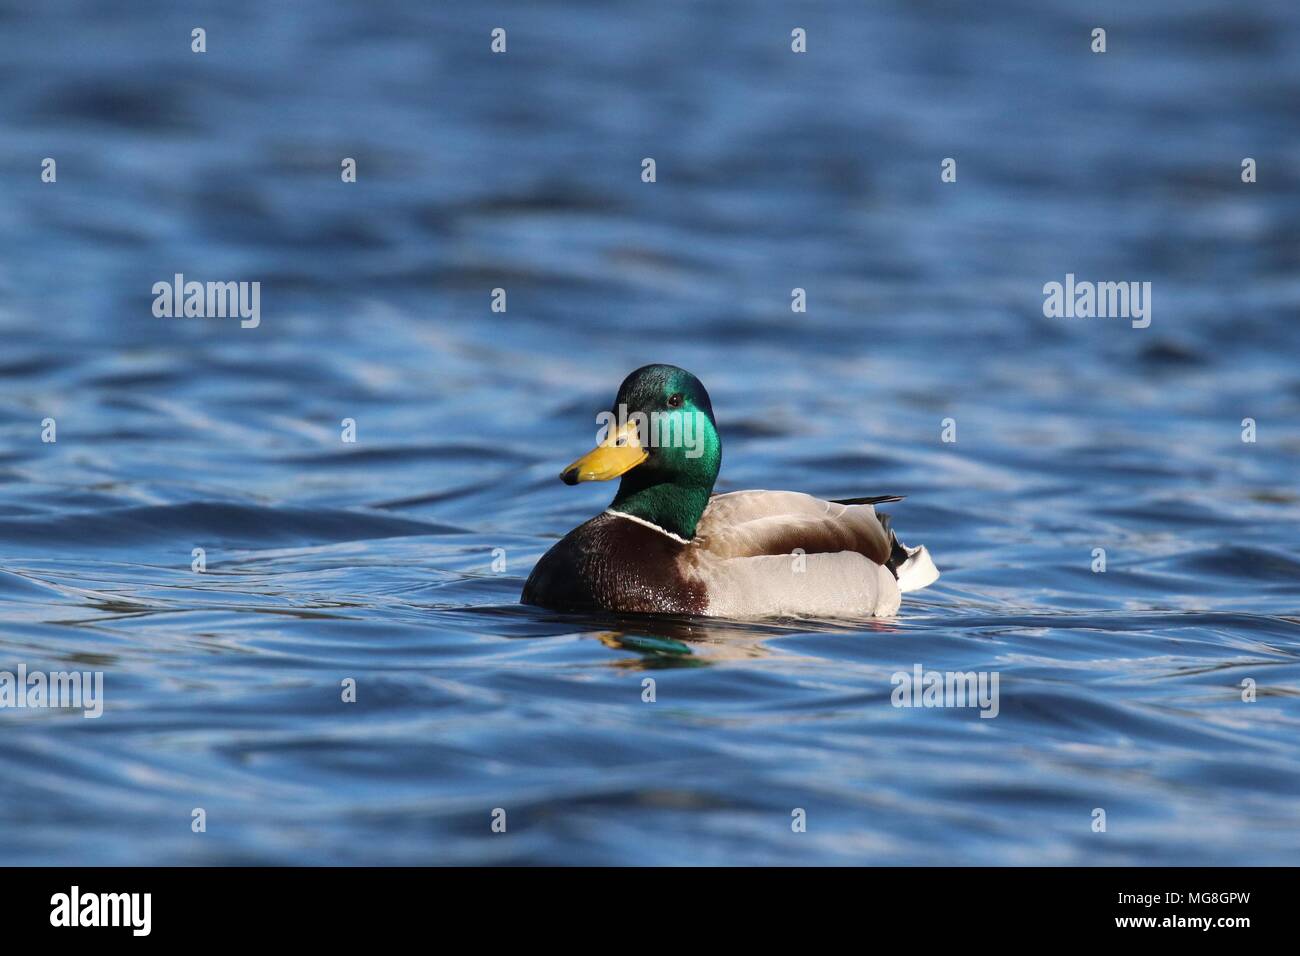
(679, 644)
(659, 641)
(692, 642)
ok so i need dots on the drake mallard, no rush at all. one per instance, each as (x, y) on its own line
(668, 545)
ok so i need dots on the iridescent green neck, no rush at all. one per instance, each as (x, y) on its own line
(675, 508)
(672, 490)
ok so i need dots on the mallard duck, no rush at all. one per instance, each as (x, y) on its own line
(668, 545)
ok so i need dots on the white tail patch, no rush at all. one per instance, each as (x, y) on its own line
(918, 571)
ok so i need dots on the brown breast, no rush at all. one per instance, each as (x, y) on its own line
(612, 563)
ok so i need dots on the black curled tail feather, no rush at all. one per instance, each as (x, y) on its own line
(897, 553)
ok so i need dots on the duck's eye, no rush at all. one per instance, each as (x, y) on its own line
(675, 400)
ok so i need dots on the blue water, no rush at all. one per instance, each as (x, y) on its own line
(374, 560)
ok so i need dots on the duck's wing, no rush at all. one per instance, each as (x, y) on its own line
(747, 524)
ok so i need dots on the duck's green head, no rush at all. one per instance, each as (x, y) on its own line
(661, 438)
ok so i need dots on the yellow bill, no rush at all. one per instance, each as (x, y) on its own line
(620, 453)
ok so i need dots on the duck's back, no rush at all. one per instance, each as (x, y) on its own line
(787, 554)
(746, 524)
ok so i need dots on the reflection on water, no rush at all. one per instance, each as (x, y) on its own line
(375, 561)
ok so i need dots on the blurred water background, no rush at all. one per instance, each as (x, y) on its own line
(1119, 690)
